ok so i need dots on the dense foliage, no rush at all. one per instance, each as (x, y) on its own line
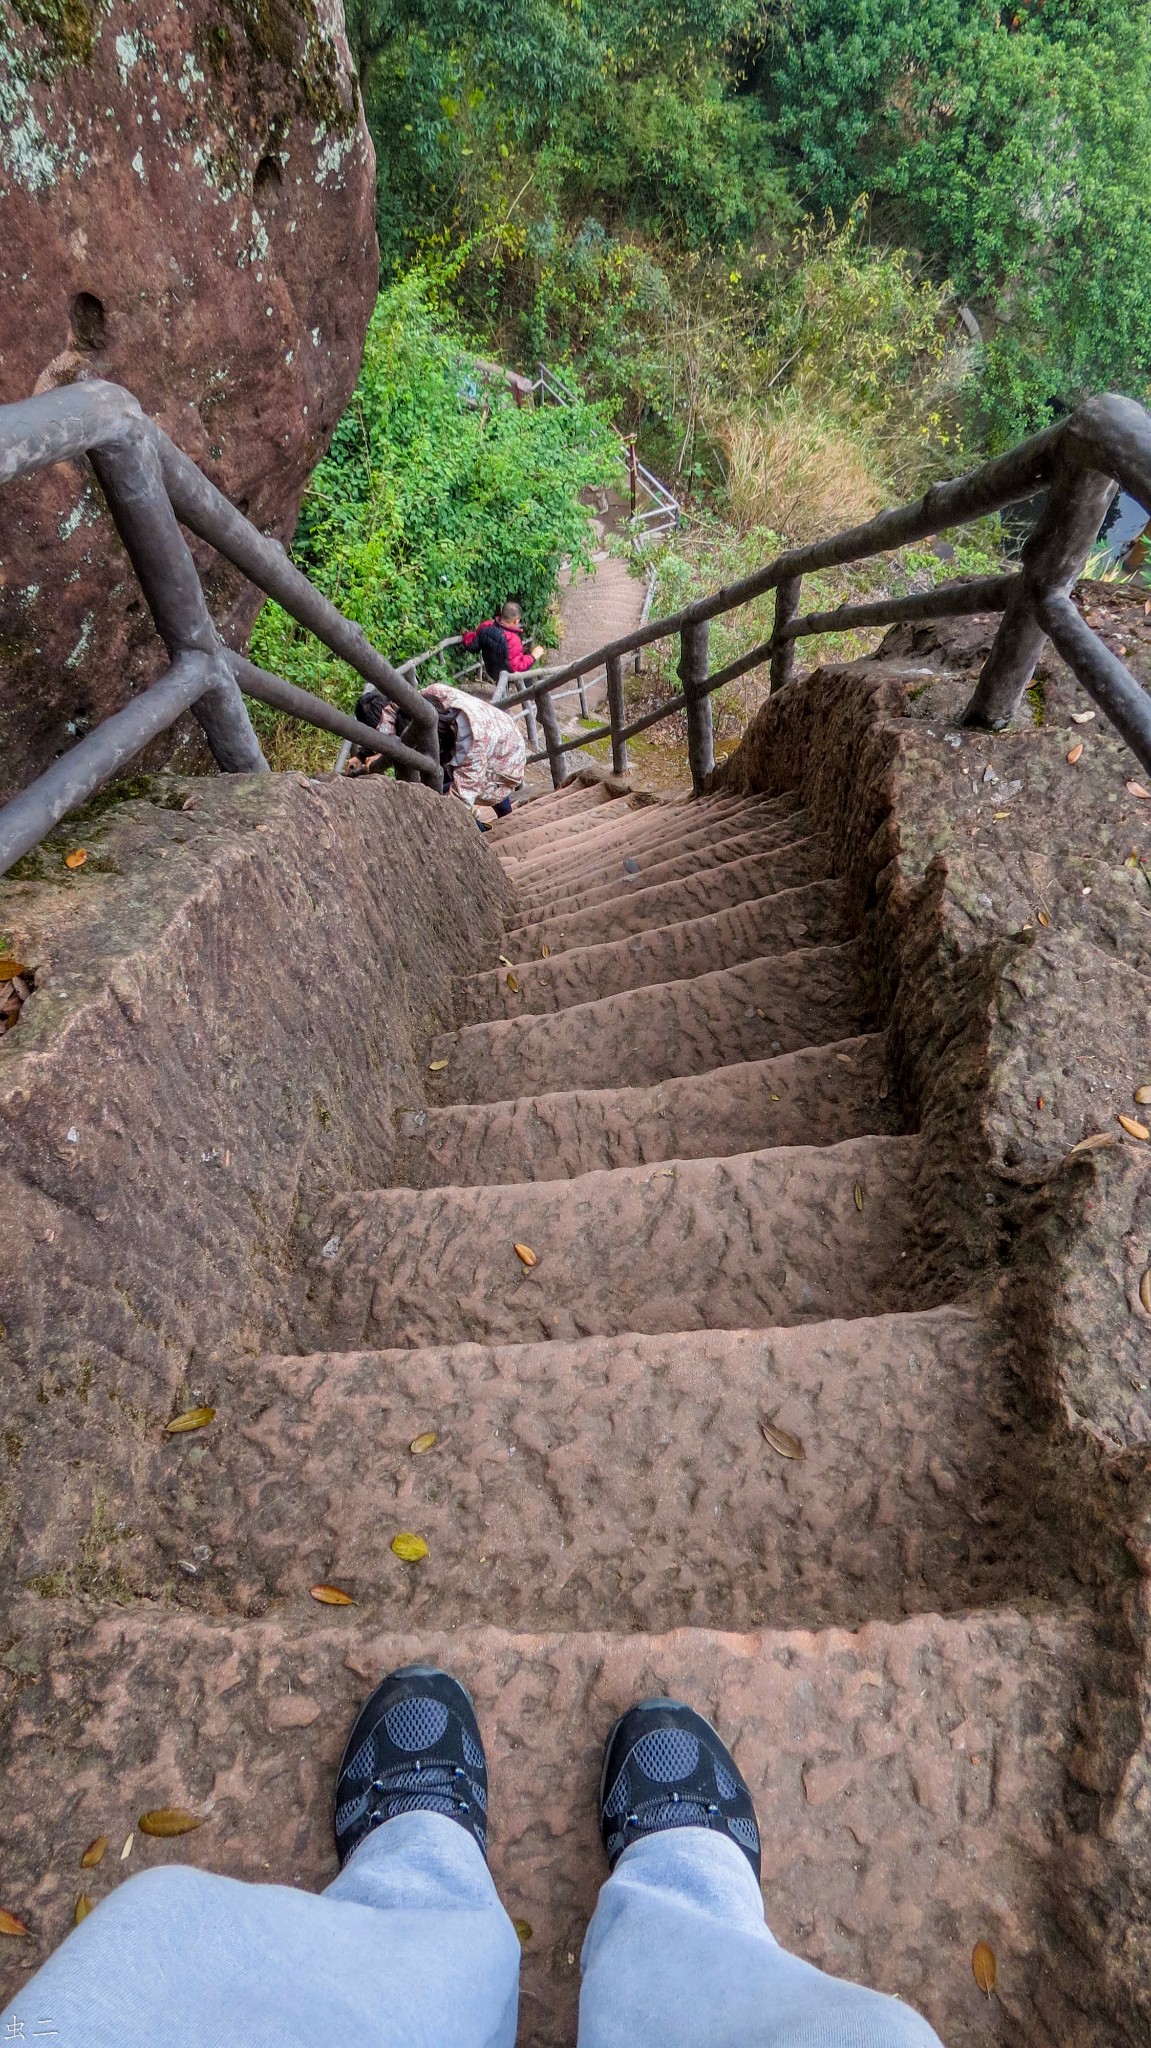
(528, 144)
(438, 499)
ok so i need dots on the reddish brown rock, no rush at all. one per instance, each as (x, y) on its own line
(188, 200)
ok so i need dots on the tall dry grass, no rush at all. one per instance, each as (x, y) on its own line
(797, 469)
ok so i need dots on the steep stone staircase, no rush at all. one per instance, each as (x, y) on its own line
(652, 1283)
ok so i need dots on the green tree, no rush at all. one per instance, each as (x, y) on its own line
(1010, 144)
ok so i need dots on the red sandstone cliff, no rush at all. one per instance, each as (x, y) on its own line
(187, 200)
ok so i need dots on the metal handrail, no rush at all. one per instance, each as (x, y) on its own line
(151, 489)
(665, 507)
(1080, 463)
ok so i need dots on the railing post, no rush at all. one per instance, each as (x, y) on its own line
(128, 472)
(581, 686)
(783, 651)
(617, 717)
(1051, 562)
(553, 738)
(693, 673)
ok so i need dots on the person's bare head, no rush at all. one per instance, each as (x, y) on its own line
(511, 613)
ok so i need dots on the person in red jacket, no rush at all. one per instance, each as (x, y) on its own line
(501, 643)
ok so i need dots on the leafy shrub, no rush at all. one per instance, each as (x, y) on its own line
(439, 499)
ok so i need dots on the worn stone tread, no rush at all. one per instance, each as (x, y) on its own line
(744, 840)
(641, 835)
(760, 1238)
(789, 920)
(909, 1777)
(623, 1482)
(673, 902)
(652, 1033)
(814, 1097)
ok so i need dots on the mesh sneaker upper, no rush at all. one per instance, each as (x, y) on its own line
(665, 1767)
(415, 1747)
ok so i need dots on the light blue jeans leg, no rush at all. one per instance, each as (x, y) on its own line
(409, 1948)
(678, 1955)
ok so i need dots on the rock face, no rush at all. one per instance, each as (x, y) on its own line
(188, 198)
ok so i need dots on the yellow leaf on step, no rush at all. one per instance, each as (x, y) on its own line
(425, 1442)
(984, 1967)
(1136, 789)
(410, 1547)
(525, 1252)
(513, 984)
(331, 1596)
(9, 967)
(77, 858)
(523, 1929)
(1076, 754)
(169, 1820)
(1143, 1094)
(436, 1066)
(9, 1924)
(83, 1908)
(781, 1440)
(1042, 917)
(1145, 1290)
(192, 1418)
(858, 1196)
(545, 952)
(1134, 1128)
(94, 1853)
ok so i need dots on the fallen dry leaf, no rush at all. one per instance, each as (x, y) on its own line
(525, 1252)
(1042, 918)
(523, 1929)
(436, 1066)
(126, 1851)
(169, 1820)
(1075, 754)
(9, 1924)
(1095, 1143)
(513, 984)
(83, 1908)
(331, 1596)
(192, 1418)
(94, 1853)
(1082, 717)
(77, 858)
(1136, 789)
(409, 1546)
(1134, 1128)
(504, 961)
(9, 967)
(1145, 1290)
(1143, 1094)
(858, 1196)
(781, 1440)
(420, 1444)
(545, 952)
(984, 1968)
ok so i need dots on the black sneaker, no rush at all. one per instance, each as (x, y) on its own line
(665, 1767)
(415, 1748)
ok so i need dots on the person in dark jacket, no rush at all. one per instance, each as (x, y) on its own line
(501, 643)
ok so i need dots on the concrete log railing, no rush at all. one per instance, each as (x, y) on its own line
(1079, 463)
(151, 491)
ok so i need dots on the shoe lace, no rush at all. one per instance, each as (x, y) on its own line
(642, 1816)
(400, 1781)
